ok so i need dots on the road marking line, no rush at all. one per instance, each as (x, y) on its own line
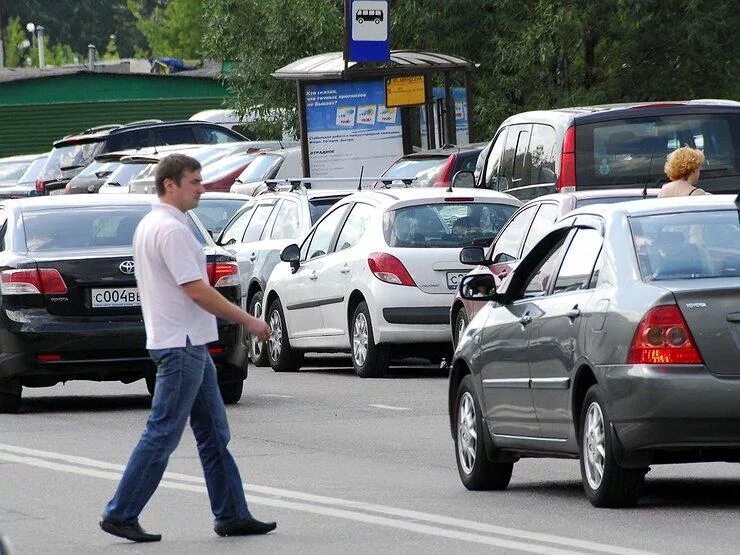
(278, 497)
(276, 395)
(388, 407)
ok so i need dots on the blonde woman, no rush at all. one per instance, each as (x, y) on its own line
(682, 167)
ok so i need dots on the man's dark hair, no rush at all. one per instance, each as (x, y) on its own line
(172, 167)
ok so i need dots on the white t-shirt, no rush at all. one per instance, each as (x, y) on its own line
(166, 256)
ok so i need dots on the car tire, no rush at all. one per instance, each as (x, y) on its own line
(231, 392)
(281, 356)
(606, 483)
(369, 360)
(477, 472)
(460, 322)
(10, 403)
(257, 349)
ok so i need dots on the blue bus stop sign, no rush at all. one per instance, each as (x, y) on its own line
(367, 24)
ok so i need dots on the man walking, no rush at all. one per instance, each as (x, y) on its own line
(180, 309)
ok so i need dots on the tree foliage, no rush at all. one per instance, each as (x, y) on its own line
(533, 54)
(172, 28)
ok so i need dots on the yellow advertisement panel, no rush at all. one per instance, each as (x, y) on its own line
(405, 91)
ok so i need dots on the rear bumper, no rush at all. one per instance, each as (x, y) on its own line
(96, 350)
(672, 407)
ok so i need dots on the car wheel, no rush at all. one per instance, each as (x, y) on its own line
(257, 349)
(281, 356)
(231, 392)
(10, 403)
(459, 325)
(369, 360)
(606, 483)
(476, 470)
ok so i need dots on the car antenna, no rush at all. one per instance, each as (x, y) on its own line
(359, 185)
(647, 177)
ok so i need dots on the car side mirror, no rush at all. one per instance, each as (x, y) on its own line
(479, 287)
(292, 254)
(464, 179)
(473, 256)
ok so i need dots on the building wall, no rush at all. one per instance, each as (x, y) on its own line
(36, 112)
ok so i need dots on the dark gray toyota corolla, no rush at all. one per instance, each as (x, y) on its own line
(616, 341)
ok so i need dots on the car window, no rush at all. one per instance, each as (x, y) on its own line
(539, 279)
(465, 161)
(426, 171)
(542, 222)
(127, 140)
(180, 135)
(317, 207)
(445, 225)
(688, 245)
(12, 171)
(321, 239)
(70, 156)
(287, 224)
(494, 162)
(235, 229)
(521, 174)
(541, 155)
(506, 247)
(3, 228)
(215, 213)
(354, 226)
(257, 223)
(506, 170)
(579, 261)
(33, 171)
(212, 135)
(260, 168)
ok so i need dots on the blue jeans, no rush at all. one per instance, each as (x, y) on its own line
(186, 385)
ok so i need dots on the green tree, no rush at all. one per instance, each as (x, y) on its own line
(173, 28)
(111, 51)
(15, 35)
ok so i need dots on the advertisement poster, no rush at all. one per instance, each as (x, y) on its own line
(349, 127)
(461, 117)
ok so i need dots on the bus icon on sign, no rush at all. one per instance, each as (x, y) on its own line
(376, 16)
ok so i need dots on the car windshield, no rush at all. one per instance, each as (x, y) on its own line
(33, 171)
(71, 156)
(13, 170)
(225, 165)
(449, 225)
(124, 173)
(688, 245)
(318, 206)
(259, 168)
(425, 170)
(214, 213)
(628, 150)
(93, 228)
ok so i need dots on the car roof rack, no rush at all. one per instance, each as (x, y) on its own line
(97, 129)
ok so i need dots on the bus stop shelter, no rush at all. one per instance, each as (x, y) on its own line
(342, 107)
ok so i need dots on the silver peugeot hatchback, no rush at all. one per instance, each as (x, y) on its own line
(616, 341)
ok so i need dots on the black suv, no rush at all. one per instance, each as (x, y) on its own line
(72, 153)
(612, 146)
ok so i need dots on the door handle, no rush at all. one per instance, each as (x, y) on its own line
(253, 257)
(734, 317)
(313, 275)
(345, 269)
(525, 320)
(573, 313)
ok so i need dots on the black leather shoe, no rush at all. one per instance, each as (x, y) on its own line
(244, 527)
(131, 531)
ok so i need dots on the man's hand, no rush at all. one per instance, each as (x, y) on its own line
(259, 328)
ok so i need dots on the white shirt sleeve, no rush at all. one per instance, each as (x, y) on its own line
(178, 254)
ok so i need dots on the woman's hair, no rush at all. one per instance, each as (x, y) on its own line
(682, 162)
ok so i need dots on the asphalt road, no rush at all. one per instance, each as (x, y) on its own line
(344, 465)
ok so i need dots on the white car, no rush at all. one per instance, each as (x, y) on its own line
(376, 276)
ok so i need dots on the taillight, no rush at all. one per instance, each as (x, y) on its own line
(567, 176)
(68, 189)
(40, 186)
(49, 357)
(389, 269)
(45, 281)
(215, 350)
(444, 177)
(223, 274)
(663, 337)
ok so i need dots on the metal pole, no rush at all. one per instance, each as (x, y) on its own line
(450, 122)
(305, 162)
(2, 34)
(42, 60)
(469, 102)
(429, 111)
(91, 57)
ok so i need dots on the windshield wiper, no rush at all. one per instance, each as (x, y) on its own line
(67, 168)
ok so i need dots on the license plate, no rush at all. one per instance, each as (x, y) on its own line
(57, 191)
(120, 297)
(453, 279)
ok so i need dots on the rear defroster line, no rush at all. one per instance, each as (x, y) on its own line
(334, 507)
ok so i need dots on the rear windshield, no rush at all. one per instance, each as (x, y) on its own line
(33, 171)
(425, 170)
(12, 171)
(91, 228)
(629, 151)
(98, 167)
(449, 225)
(259, 168)
(318, 206)
(70, 157)
(124, 173)
(214, 214)
(688, 245)
(225, 165)
(606, 200)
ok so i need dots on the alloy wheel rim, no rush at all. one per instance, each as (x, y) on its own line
(275, 342)
(255, 343)
(460, 328)
(360, 339)
(594, 446)
(467, 436)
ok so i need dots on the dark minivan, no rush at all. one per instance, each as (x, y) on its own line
(612, 146)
